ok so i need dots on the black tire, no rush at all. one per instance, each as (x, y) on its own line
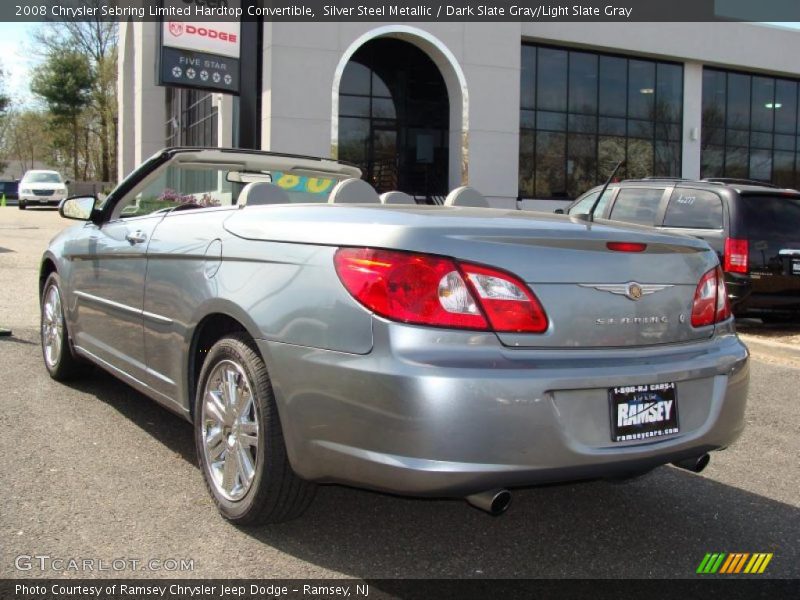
(21, 205)
(275, 494)
(61, 362)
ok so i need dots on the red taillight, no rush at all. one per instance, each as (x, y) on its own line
(507, 302)
(710, 300)
(737, 254)
(626, 246)
(438, 291)
(723, 305)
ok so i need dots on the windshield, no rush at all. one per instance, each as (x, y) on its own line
(42, 178)
(196, 186)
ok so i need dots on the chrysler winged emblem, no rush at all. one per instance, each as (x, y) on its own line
(631, 290)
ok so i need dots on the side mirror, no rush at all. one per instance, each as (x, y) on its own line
(559, 211)
(79, 208)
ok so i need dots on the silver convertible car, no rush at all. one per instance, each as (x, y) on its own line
(314, 332)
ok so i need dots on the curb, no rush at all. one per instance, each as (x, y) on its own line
(770, 347)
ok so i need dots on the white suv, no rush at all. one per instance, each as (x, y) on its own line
(42, 188)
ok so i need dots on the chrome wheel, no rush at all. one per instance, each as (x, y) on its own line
(52, 326)
(230, 430)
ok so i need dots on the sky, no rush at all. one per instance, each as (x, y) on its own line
(15, 58)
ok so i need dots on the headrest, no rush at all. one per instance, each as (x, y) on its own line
(261, 192)
(397, 198)
(353, 191)
(466, 196)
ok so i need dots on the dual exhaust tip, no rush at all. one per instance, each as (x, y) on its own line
(496, 502)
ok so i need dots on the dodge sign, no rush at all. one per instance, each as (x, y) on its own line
(202, 55)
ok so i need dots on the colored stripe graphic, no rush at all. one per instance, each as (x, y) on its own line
(741, 562)
(758, 563)
(703, 563)
(716, 565)
(732, 559)
(711, 563)
(733, 563)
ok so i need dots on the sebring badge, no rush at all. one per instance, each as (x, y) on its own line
(631, 290)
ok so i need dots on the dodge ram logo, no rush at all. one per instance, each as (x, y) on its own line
(176, 29)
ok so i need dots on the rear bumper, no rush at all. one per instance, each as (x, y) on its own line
(747, 301)
(435, 413)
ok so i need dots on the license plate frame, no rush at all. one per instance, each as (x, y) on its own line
(650, 411)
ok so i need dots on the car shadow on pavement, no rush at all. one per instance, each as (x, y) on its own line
(11, 339)
(660, 525)
(165, 426)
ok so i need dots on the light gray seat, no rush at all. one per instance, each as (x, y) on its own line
(262, 192)
(466, 196)
(353, 191)
(396, 197)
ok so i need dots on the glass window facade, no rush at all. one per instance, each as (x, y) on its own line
(192, 121)
(750, 127)
(192, 118)
(394, 118)
(582, 112)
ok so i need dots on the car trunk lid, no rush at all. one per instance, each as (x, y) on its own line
(594, 296)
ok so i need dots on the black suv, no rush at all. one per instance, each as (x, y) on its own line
(754, 227)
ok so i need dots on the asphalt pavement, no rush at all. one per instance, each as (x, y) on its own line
(94, 470)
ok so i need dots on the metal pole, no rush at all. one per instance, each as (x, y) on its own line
(250, 63)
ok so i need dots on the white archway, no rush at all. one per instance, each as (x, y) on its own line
(454, 79)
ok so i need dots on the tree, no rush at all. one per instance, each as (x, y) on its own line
(5, 103)
(26, 139)
(65, 82)
(97, 41)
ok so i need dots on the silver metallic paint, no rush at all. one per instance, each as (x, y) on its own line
(403, 408)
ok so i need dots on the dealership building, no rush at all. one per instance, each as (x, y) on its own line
(532, 111)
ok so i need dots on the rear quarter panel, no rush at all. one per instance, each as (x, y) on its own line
(281, 292)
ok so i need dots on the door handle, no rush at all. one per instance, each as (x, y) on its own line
(136, 237)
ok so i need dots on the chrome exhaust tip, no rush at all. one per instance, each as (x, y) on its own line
(494, 502)
(694, 464)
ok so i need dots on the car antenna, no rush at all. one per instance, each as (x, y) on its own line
(603, 191)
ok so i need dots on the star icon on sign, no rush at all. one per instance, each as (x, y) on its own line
(177, 72)
(191, 73)
(228, 79)
(216, 77)
(204, 75)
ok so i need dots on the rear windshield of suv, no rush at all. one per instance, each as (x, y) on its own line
(695, 209)
(772, 217)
